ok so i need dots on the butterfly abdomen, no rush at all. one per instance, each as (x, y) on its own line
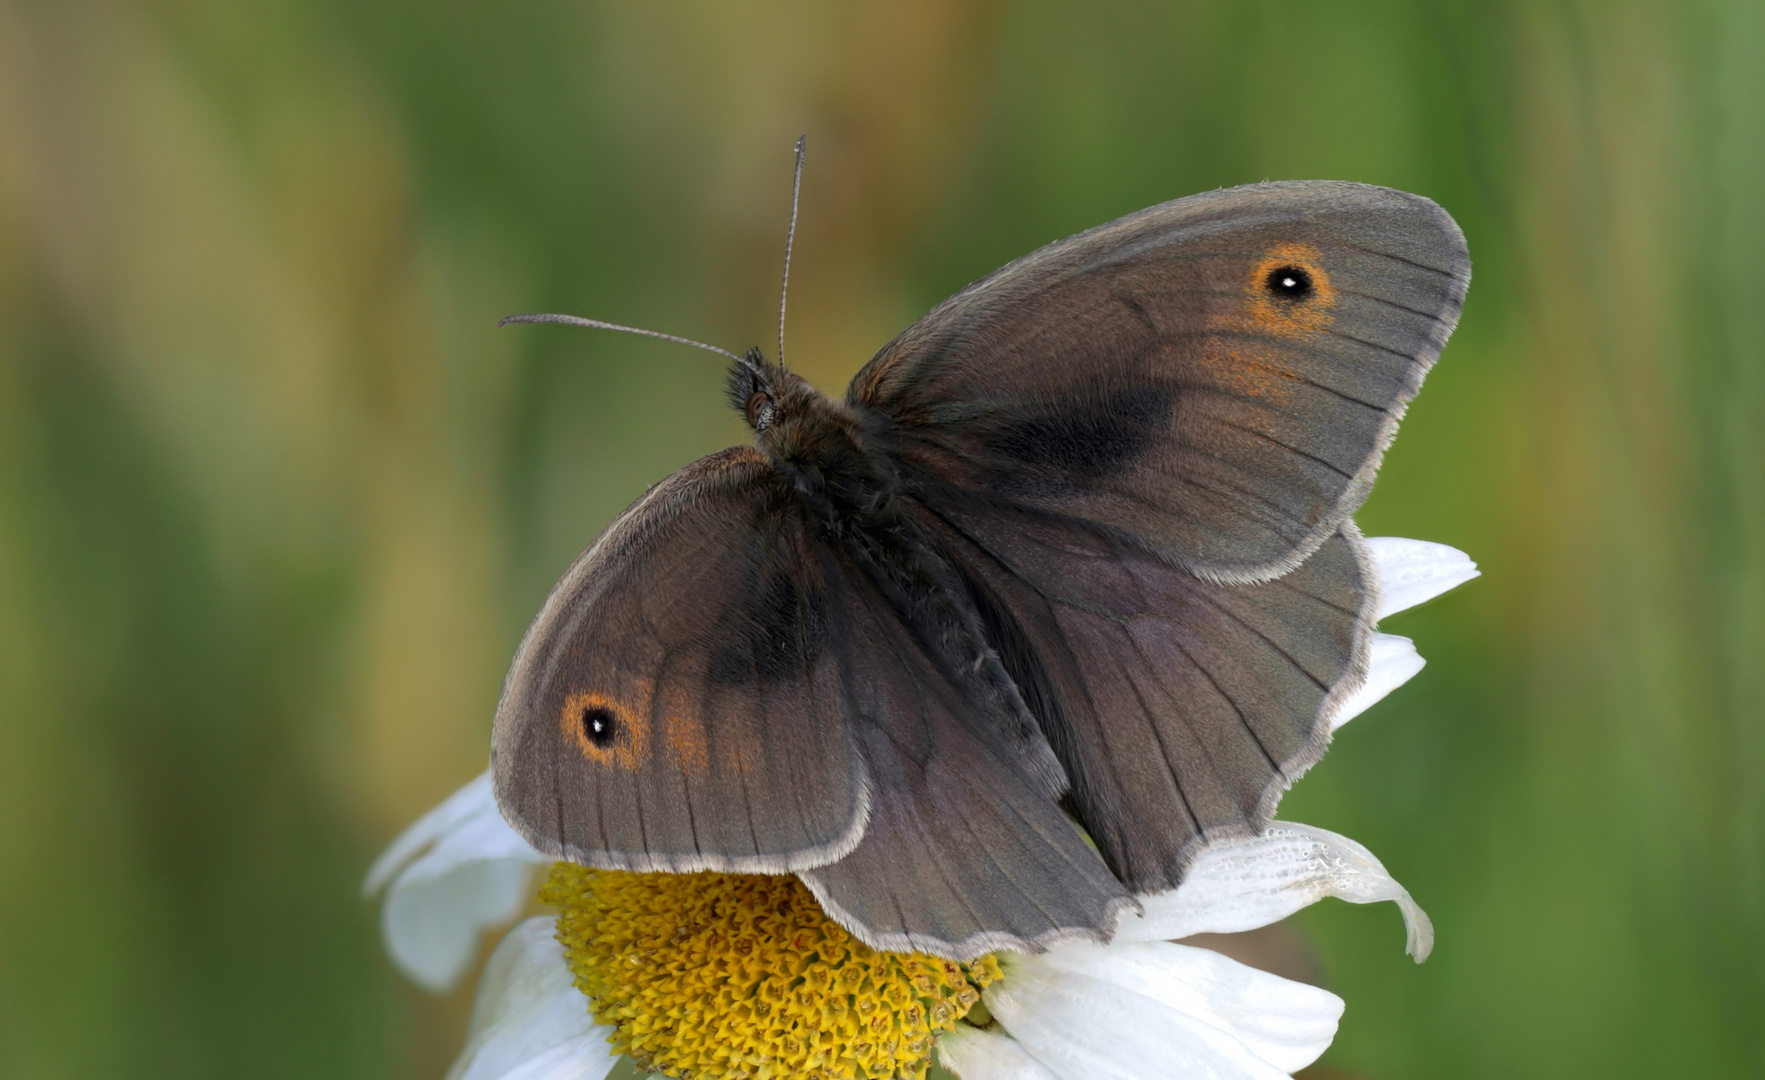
(847, 479)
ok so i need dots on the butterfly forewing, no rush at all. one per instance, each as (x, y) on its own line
(675, 705)
(1214, 378)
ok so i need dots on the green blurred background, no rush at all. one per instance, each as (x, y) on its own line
(277, 498)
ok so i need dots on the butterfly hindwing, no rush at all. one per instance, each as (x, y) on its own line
(965, 852)
(1180, 708)
(674, 705)
(1213, 378)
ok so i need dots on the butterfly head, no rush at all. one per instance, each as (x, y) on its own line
(766, 394)
(754, 387)
(813, 439)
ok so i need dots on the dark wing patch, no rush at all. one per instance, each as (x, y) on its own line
(777, 631)
(1082, 440)
(1180, 708)
(964, 853)
(674, 705)
(1213, 379)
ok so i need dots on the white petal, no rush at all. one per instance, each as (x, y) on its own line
(458, 871)
(483, 837)
(1286, 1023)
(1411, 571)
(585, 1058)
(974, 1054)
(426, 830)
(431, 927)
(1087, 1029)
(1394, 662)
(1239, 885)
(530, 1022)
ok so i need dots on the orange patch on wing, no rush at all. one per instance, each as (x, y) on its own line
(628, 746)
(687, 743)
(1251, 373)
(1280, 316)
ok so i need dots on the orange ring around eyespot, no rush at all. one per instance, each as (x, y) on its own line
(1291, 318)
(631, 739)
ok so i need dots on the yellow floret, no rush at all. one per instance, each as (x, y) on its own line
(741, 977)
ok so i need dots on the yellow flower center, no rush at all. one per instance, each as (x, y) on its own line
(741, 977)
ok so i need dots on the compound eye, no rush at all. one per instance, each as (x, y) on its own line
(758, 410)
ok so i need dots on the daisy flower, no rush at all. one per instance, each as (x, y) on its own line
(742, 977)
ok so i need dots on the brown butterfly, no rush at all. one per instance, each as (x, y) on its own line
(1075, 546)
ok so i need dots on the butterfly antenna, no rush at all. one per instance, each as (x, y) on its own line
(596, 324)
(790, 238)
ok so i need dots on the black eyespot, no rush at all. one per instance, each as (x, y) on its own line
(1289, 282)
(599, 725)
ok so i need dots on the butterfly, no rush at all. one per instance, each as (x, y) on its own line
(1065, 588)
